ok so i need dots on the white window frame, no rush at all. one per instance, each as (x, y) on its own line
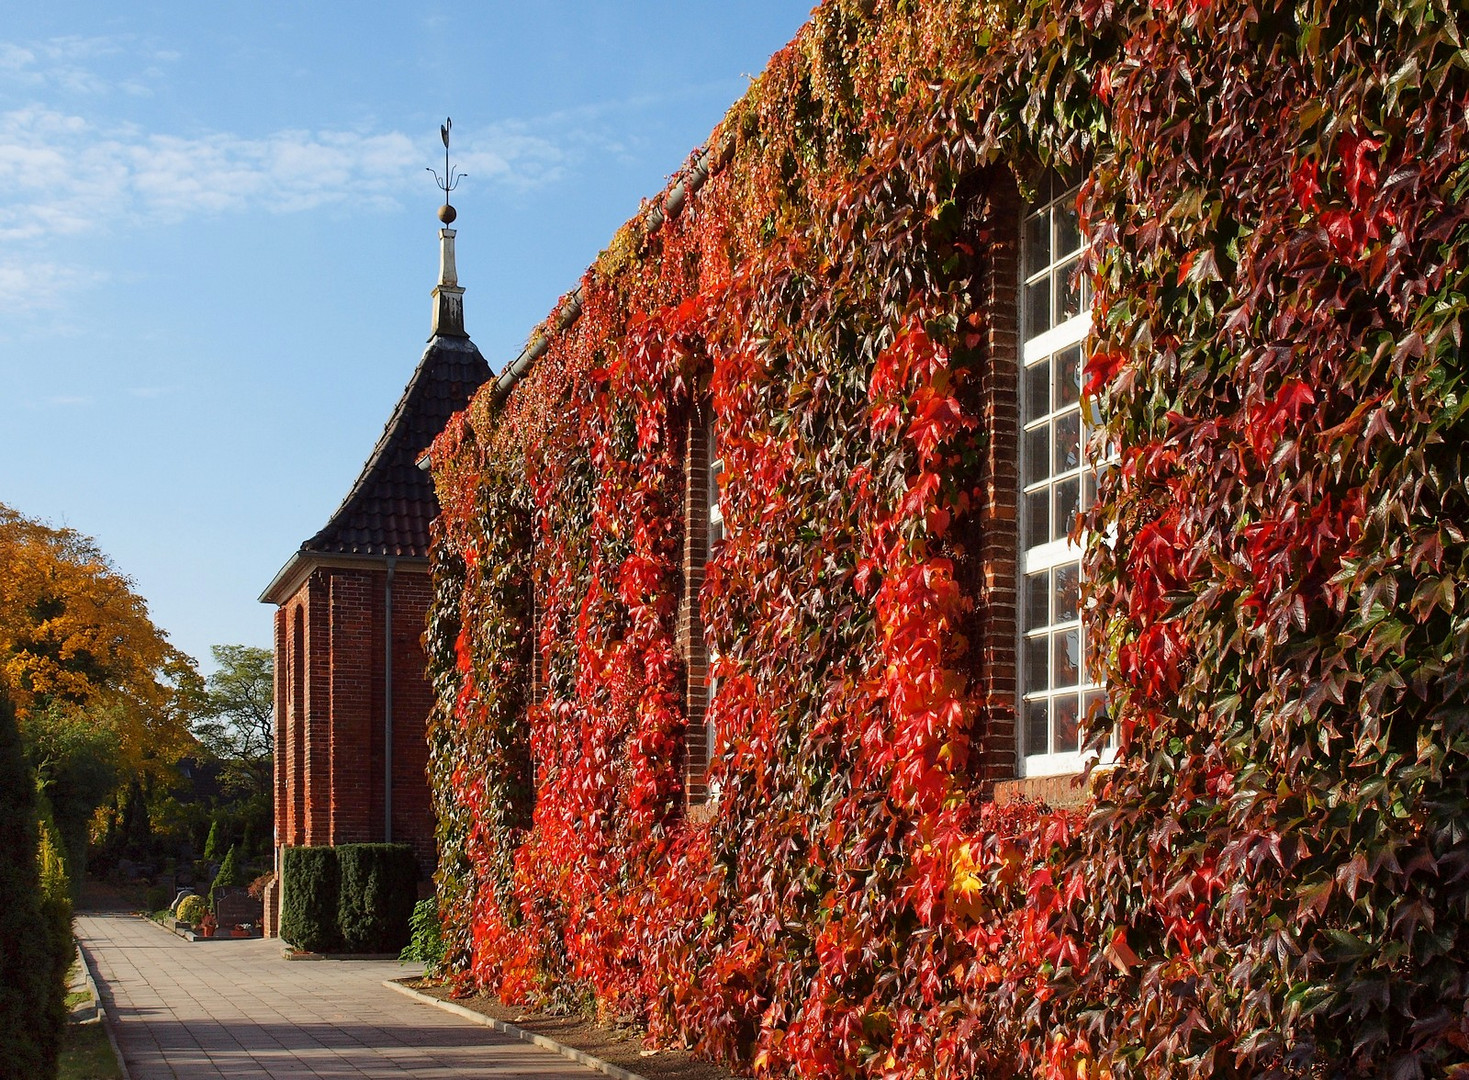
(714, 531)
(1049, 554)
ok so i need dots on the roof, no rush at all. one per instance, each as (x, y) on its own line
(389, 508)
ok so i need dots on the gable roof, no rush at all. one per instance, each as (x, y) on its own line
(388, 511)
(389, 508)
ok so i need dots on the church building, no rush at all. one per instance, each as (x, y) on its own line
(351, 697)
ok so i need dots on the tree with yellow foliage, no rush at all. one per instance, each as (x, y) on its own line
(79, 653)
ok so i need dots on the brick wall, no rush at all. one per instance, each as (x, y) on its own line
(993, 539)
(330, 653)
(355, 675)
(413, 818)
(318, 710)
(281, 736)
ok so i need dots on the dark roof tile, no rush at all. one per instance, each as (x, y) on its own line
(388, 510)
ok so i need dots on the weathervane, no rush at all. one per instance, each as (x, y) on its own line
(450, 180)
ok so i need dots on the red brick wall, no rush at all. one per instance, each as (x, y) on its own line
(355, 673)
(281, 736)
(318, 711)
(413, 818)
(994, 540)
(330, 656)
(296, 764)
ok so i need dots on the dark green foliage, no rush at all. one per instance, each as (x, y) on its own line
(215, 842)
(309, 891)
(377, 894)
(56, 918)
(29, 1041)
(74, 754)
(354, 898)
(230, 875)
(426, 938)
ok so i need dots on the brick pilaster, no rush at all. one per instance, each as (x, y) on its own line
(995, 653)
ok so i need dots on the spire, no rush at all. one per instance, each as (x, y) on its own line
(448, 316)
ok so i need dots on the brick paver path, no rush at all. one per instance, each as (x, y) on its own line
(211, 1009)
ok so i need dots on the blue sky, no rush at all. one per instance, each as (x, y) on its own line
(217, 241)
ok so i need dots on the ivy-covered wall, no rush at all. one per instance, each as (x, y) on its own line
(1274, 879)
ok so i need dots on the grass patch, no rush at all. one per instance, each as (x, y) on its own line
(87, 1055)
(77, 997)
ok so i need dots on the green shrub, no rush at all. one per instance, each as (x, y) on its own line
(377, 893)
(426, 937)
(215, 842)
(56, 914)
(192, 909)
(230, 876)
(157, 898)
(29, 1043)
(309, 891)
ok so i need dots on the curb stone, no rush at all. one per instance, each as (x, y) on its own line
(104, 1007)
(617, 1072)
(93, 1013)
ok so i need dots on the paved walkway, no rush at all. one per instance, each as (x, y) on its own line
(212, 1009)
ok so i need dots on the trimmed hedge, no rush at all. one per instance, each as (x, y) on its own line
(354, 898)
(309, 891)
(29, 974)
(379, 886)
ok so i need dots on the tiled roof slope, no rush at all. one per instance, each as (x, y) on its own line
(389, 509)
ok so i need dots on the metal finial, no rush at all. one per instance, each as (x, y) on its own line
(450, 180)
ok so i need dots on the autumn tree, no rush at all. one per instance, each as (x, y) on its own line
(101, 696)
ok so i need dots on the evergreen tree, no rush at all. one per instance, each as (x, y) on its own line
(229, 875)
(215, 841)
(29, 1038)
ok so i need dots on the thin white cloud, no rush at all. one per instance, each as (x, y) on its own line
(71, 64)
(28, 286)
(62, 174)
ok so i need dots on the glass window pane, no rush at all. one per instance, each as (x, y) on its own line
(1068, 505)
(1068, 227)
(1037, 390)
(1037, 242)
(1037, 600)
(1088, 488)
(1068, 377)
(1037, 664)
(1092, 671)
(1066, 658)
(1068, 729)
(1037, 728)
(1068, 286)
(1068, 592)
(1038, 516)
(1068, 441)
(1038, 307)
(1037, 454)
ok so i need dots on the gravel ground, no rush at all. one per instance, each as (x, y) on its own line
(620, 1046)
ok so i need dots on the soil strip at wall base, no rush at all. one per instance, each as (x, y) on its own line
(619, 1046)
